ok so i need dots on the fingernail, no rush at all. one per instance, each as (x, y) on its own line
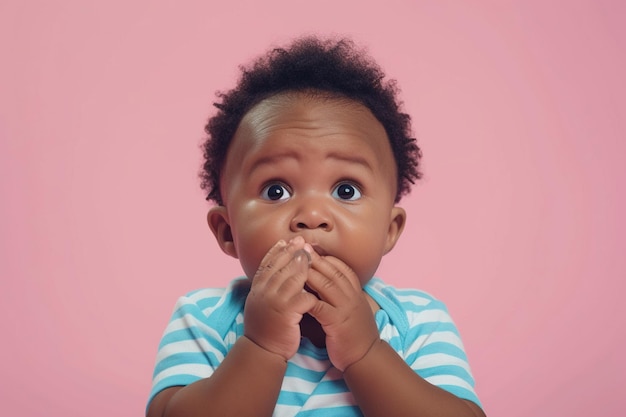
(302, 254)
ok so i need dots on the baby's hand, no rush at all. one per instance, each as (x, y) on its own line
(342, 310)
(277, 299)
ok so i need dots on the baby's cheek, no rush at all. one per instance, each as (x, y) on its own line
(252, 258)
(365, 266)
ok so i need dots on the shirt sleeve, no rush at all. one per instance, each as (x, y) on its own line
(433, 349)
(191, 347)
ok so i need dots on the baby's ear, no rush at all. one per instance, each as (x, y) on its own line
(220, 226)
(396, 226)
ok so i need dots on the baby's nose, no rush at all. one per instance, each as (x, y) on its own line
(312, 214)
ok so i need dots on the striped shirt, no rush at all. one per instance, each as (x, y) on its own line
(206, 323)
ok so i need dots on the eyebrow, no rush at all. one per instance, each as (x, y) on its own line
(268, 160)
(354, 159)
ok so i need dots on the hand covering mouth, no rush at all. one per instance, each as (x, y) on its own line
(319, 250)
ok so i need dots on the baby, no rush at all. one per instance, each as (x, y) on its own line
(306, 160)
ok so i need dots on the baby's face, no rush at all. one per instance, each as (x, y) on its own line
(319, 168)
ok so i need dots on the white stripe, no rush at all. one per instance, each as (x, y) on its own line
(389, 331)
(414, 299)
(201, 371)
(439, 359)
(424, 340)
(239, 318)
(187, 321)
(188, 346)
(310, 363)
(449, 380)
(230, 338)
(329, 400)
(285, 410)
(417, 344)
(427, 316)
(295, 384)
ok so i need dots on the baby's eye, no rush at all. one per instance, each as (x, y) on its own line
(347, 191)
(275, 192)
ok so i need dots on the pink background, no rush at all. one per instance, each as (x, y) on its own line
(518, 224)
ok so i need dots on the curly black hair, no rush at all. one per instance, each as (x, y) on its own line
(330, 67)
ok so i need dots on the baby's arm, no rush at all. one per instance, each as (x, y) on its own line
(382, 383)
(246, 383)
(248, 380)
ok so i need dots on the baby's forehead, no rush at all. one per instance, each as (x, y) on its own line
(290, 123)
(308, 110)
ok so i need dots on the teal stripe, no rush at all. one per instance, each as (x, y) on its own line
(207, 302)
(309, 375)
(462, 393)
(331, 387)
(452, 370)
(442, 347)
(429, 328)
(205, 358)
(345, 411)
(188, 310)
(291, 398)
(408, 306)
(403, 292)
(188, 333)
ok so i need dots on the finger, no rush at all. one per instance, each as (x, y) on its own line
(302, 255)
(267, 263)
(337, 272)
(321, 311)
(334, 267)
(347, 272)
(294, 275)
(328, 288)
(276, 259)
(303, 302)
